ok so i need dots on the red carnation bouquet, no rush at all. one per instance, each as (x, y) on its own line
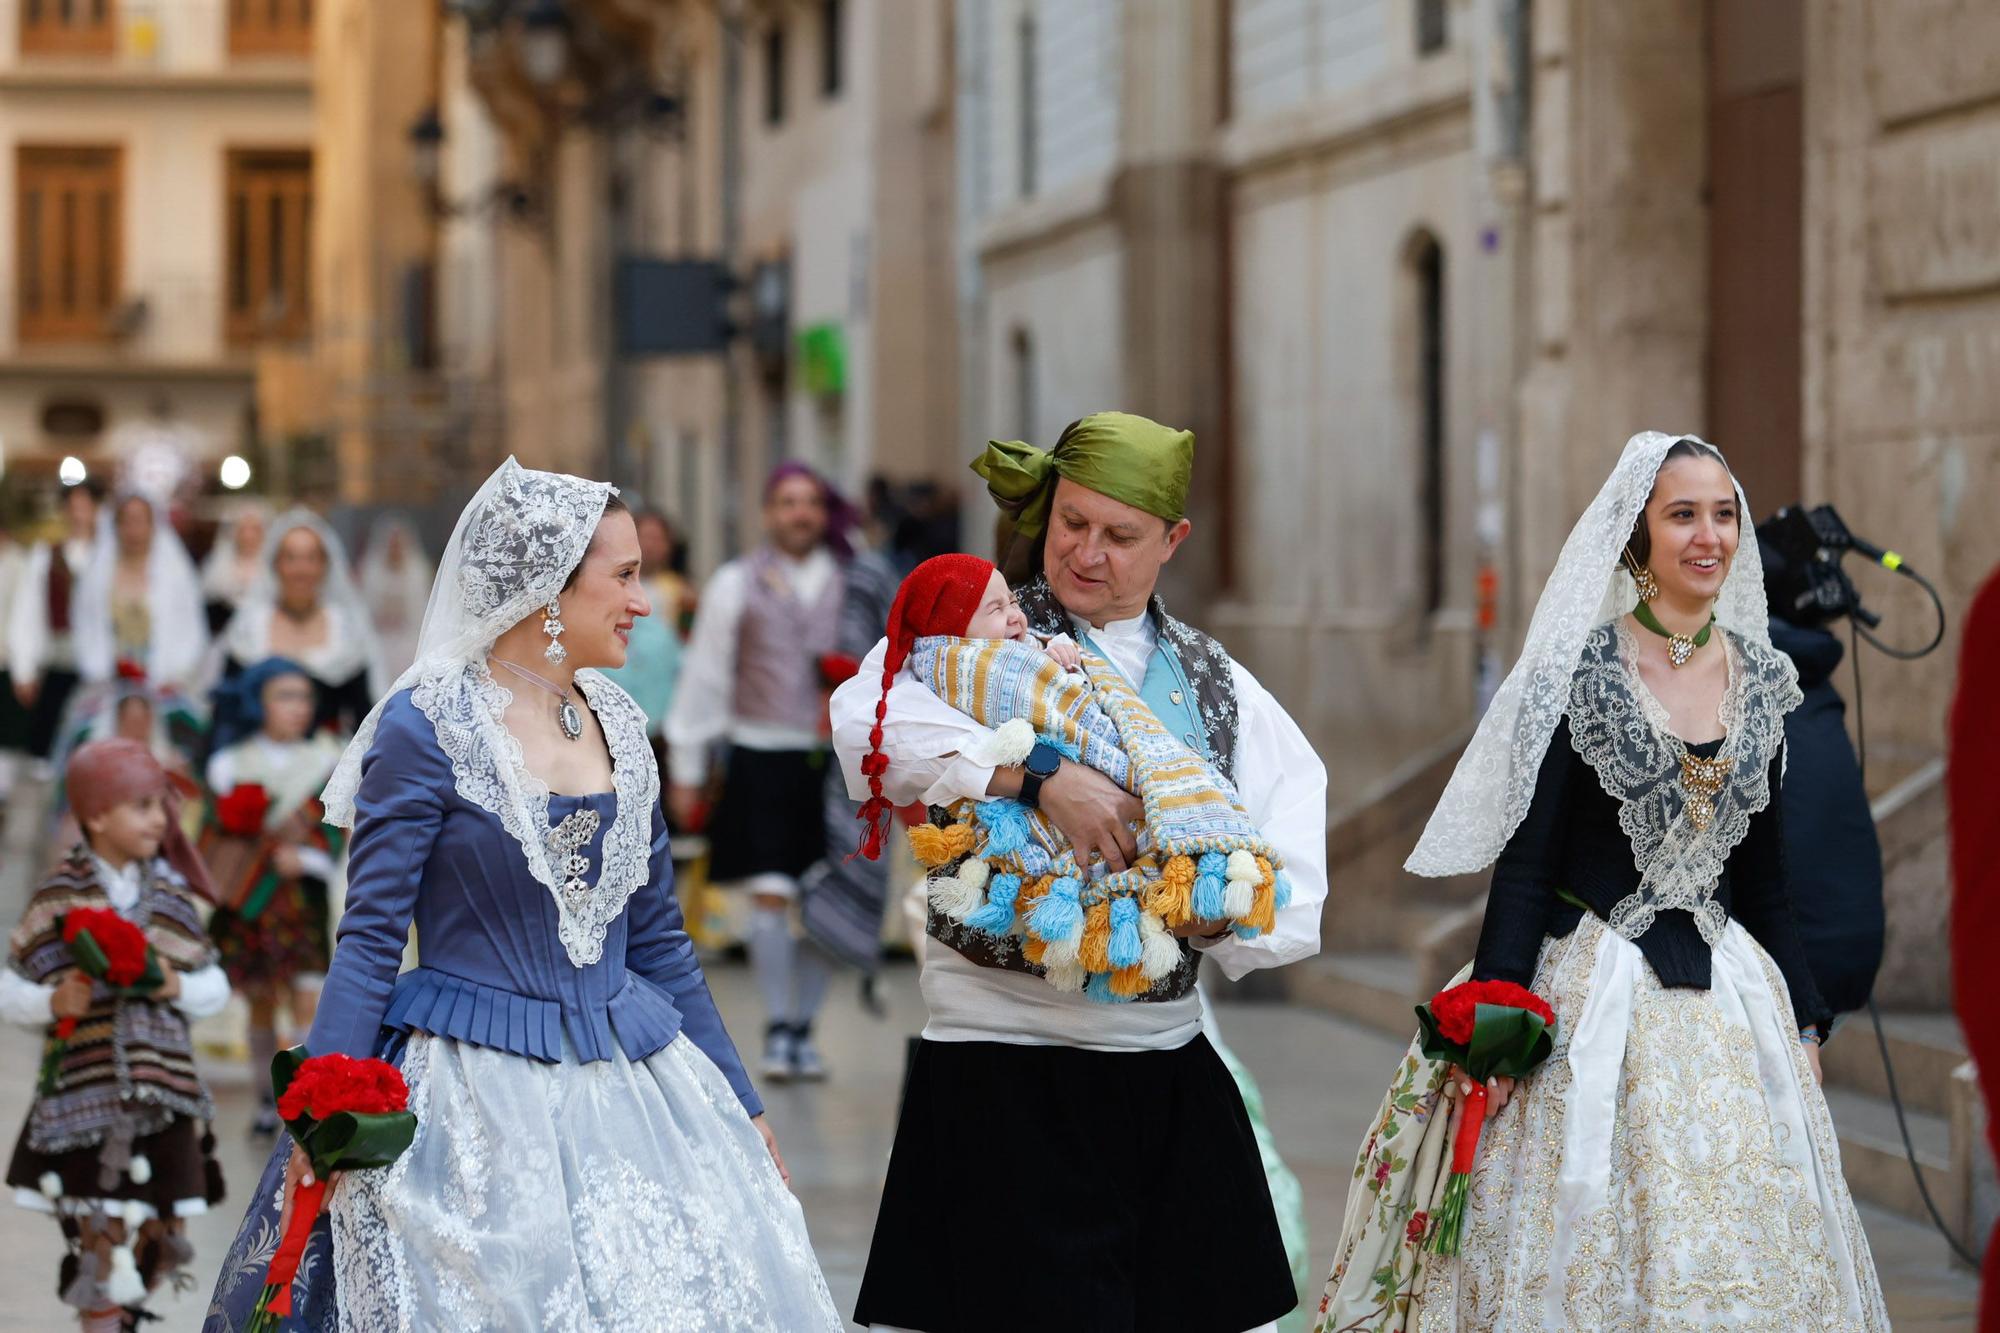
(1490, 1029)
(241, 810)
(348, 1115)
(107, 948)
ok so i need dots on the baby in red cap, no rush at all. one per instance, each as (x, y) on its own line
(961, 596)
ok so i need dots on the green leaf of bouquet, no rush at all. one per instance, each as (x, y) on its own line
(347, 1141)
(89, 954)
(1506, 1042)
(285, 1067)
(1433, 1043)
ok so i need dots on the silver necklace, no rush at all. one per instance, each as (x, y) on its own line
(567, 716)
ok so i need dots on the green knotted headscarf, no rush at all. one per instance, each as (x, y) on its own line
(1133, 460)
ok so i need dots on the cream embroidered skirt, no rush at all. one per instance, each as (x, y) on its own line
(1672, 1167)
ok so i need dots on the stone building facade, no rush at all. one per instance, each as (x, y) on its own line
(156, 189)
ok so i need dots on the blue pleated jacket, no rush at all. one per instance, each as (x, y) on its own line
(494, 971)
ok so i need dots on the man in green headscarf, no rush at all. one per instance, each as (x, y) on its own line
(1029, 1126)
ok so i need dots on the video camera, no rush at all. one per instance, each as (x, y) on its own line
(1803, 580)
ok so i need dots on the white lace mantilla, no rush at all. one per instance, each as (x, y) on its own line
(1626, 736)
(489, 771)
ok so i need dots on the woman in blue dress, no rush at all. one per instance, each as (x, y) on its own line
(589, 1153)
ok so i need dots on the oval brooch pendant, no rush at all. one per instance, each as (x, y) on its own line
(569, 720)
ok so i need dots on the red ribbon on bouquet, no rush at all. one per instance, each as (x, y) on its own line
(285, 1263)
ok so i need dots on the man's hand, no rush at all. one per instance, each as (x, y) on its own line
(27, 691)
(286, 861)
(684, 804)
(1200, 930)
(170, 982)
(72, 996)
(1094, 813)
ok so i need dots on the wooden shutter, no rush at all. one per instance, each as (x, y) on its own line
(270, 27)
(69, 27)
(267, 290)
(69, 218)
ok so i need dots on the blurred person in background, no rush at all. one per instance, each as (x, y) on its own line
(654, 648)
(272, 856)
(395, 581)
(13, 717)
(41, 643)
(140, 599)
(665, 554)
(304, 607)
(232, 564)
(753, 683)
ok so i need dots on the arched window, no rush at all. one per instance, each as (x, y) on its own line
(1425, 259)
(1432, 34)
(1021, 354)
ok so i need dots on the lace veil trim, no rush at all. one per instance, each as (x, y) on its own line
(1623, 732)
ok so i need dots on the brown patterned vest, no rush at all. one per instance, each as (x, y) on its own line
(1206, 666)
(779, 642)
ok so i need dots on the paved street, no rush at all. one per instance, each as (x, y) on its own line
(1321, 1079)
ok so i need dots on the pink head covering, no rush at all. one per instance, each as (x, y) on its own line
(107, 773)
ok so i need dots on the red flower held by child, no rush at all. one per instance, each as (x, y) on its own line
(329, 1084)
(242, 809)
(1456, 1007)
(123, 944)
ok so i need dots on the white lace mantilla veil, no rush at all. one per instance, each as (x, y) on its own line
(247, 637)
(1494, 782)
(173, 598)
(514, 547)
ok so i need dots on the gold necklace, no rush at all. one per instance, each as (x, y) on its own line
(1702, 780)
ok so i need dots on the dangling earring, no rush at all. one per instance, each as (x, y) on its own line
(1648, 585)
(553, 627)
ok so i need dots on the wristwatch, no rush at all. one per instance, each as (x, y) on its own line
(1040, 765)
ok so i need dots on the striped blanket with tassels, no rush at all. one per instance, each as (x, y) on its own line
(1110, 935)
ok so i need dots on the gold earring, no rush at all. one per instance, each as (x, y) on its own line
(1642, 577)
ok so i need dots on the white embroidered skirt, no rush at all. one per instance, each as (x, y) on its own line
(1672, 1166)
(574, 1197)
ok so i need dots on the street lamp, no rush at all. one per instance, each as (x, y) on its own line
(71, 471)
(544, 41)
(235, 472)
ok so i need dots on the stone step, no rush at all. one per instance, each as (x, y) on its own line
(1375, 989)
(1877, 1169)
(1926, 1048)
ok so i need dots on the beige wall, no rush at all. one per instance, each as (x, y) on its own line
(175, 114)
(1902, 345)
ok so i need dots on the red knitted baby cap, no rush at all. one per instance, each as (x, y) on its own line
(939, 597)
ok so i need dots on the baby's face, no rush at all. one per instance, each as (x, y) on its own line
(999, 615)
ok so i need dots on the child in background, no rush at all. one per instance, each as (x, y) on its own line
(116, 1144)
(272, 856)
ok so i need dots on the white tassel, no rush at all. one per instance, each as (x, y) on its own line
(1238, 899)
(1061, 953)
(1006, 746)
(955, 898)
(1159, 952)
(136, 1215)
(124, 1286)
(141, 1170)
(1243, 866)
(1065, 976)
(51, 1185)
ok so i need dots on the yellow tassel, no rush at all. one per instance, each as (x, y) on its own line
(1130, 981)
(1033, 948)
(1169, 896)
(1032, 892)
(1094, 953)
(1263, 912)
(936, 846)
